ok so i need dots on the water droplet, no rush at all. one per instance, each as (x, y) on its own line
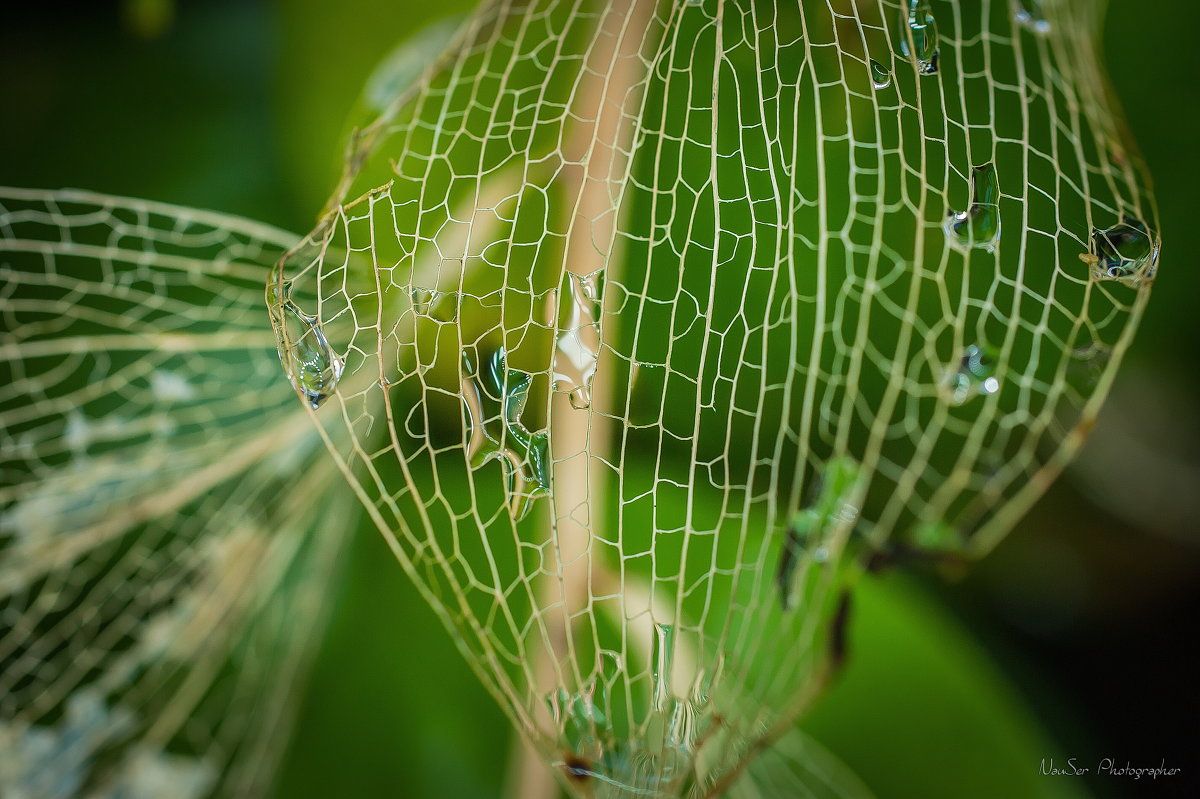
(1029, 15)
(880, 76)
(580, 717)
(919, 36)
(979, 225)
(662, 658)
(495, 398)
(578, 346)
(579, 398)
(974, 375)
(421, 299)
(434, 304)
(809, 535)
(1126, 252)
(307, 358)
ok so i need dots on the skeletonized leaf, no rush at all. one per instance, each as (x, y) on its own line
(164, 544)
(655, 322)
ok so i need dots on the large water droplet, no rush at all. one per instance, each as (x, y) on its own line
(919, 36)
(579, 341)
(1127, 252)
(1029, 15)
(809, 535)
(662, 657)
(495, 398)
(880, 77)
(308, 359)
(974, 375)
(979, 225)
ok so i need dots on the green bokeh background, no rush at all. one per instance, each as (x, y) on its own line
(1071, 641)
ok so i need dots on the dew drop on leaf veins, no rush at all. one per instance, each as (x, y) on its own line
(880, 77)
(578, 346)
(495, 398)
(309, 361)
(979, 225)
(1126, 252)
(421, 299)
(974, 375)
(580, 716)
(433, 304)
(919, 36)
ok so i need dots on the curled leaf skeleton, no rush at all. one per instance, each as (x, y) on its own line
(638, 329)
